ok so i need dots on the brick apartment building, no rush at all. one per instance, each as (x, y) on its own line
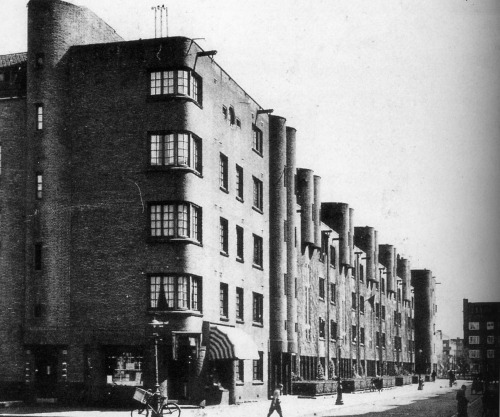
(140, 182)
(482, 338)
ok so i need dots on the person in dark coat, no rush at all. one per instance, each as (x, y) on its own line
(462, 402)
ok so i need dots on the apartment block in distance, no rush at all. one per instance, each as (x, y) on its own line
(482, 338)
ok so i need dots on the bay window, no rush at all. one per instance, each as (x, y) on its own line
(175, 292)
(175, 220)
(175, 149)
(176, 83)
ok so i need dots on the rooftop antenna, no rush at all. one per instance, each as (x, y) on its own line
(155, 9)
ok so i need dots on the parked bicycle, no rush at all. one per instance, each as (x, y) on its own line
(155, 404)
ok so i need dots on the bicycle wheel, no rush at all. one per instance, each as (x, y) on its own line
(140, 412)
(171, 410)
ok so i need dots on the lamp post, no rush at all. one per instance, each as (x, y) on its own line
(420, 381)
(157, 325)
(339, 379)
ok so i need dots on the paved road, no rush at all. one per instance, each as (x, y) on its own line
(435, 400)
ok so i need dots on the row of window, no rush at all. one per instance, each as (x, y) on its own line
(176, 83)
(258, 187)
(476, 340)
(258, 244)
(257, 304)
(475, 325)
(476, 354)
(257, 369)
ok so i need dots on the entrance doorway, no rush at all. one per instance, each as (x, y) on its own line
(45, 380)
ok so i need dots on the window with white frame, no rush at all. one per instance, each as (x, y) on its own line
(258, 308)
(258, 192)
(223, 300)
(257, 143)
(239, 182)
(240, 304)
(175, 292)
(175, 220)
(175, 149)
(176, 83)
(223, 173)
(39, 186)
(240, 252)
(474, 353)
(240, 371)
(473, 325)
(39, 116)
(258, 251)
(223, 236)
(473, 340)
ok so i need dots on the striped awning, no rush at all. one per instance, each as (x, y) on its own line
(231, 343)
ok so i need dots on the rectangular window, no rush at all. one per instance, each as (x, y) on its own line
(362, 335)
(258, 368)
(490, 353)
(38, 256)
(333, 256)
(397, 343)
(321, 328)
(224, 112)
(333, 293)
(257, 143)
(377, 310)
(490, 325)
(362, 304)
(383, 312)
(383, 340)
(39, 186)
(174, 292)
(239, 244)
(39, 116)
(176, 149)
(176, 220)
(333, 330)
(240, 304)
(258, 190)
(240, 371)
(258, 308)
(354, 334)
(354, 301)
(473, 340)
(239, 182)
(382, 285)
(223, 174)
(258, 251)
(490, 340)
(474, 354)
(473, 325)
(321, 288)
(377, 339)
(324, 244)
(223, 300)
(223, 236)
(176, 82)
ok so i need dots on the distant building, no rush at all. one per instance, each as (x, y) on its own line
(482, 337)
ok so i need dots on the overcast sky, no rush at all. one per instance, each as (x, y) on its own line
(396, 106)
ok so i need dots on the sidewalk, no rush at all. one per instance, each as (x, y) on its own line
(292, 406)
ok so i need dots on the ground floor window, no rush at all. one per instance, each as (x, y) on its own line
(258, 368)
(124, 365)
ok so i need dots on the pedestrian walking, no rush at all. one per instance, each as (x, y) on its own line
(275, 402)
(462, 402)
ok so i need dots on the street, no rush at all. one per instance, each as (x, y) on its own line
(435, 400)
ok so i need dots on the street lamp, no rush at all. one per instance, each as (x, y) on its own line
(420, 381)
(157, 325)
(339, 379)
